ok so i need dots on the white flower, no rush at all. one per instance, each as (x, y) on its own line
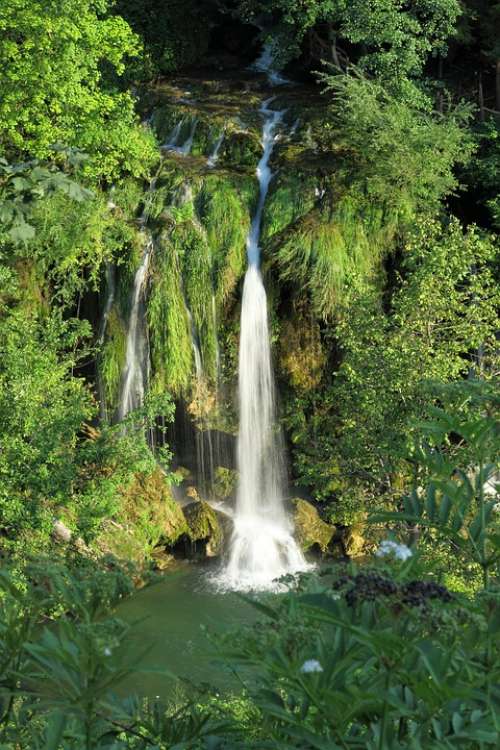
(311, 665)
(107, 651)
(400, 551)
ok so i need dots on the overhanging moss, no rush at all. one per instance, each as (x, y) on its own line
(112, 358)
(170, 336)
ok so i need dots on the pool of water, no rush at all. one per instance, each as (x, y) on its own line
(177, 618)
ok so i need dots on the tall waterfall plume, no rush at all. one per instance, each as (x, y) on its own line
(262, 546)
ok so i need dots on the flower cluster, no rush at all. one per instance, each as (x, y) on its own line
(388, 547)
(310, 666)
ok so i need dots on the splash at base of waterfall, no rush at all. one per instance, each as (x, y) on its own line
(262, 552)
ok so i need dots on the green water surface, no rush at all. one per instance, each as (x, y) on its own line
(177, 618)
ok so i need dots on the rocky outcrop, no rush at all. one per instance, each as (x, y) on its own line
(311, 531)
(150, 519)
(204, 529)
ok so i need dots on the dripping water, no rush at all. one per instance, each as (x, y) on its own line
(205, 460)
(172, 143)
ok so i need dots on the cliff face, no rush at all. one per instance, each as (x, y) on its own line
(197, 214)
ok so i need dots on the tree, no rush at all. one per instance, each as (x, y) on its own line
(441, 311)
(396, 149)
(485, 23)
(42, 409)
(392, 38)
(175, 33)
(59, 62)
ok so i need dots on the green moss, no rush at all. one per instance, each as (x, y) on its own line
(170, 335)
(112, 358)
(225, 482)
(224, 208)
(301, 350)
(292, 196)
(204, 525)
(149, 516)
(241, 149)
(320, 249)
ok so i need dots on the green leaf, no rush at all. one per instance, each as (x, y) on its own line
(55, 729)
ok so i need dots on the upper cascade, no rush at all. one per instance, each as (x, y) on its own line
(265, 63)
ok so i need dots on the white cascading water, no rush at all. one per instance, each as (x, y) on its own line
(265, 64)
(184, 148)
(214, 156)
(134, 376)
(262, 546)
(135, 372)
(110, 298)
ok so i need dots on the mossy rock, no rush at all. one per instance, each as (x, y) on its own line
(310, 529)
(353, 540)
(225, 482)
(149, 517)
(203, 526)
(241, 149)
(301, 352)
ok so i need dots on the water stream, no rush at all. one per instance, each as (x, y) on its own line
(214, 156)
(184, 148)
(262, 545)
(136, 370)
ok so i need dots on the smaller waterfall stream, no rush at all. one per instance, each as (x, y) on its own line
(184, 148)
(262, 546)
(136, 370)
(137, 357)
(214, 156)
(265, 64)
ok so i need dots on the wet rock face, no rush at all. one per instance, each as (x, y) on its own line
(311, 530)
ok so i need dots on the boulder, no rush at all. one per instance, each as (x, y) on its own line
(204, 528)
(310, 529)
(353, 540)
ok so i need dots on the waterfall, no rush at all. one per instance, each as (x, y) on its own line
(137, 355)
(110, 298)
(265, 64)
(136, 370)
(214, 156)
(262, 546)
(172, 143)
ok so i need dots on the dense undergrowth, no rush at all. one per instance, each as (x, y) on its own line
(394, 653)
